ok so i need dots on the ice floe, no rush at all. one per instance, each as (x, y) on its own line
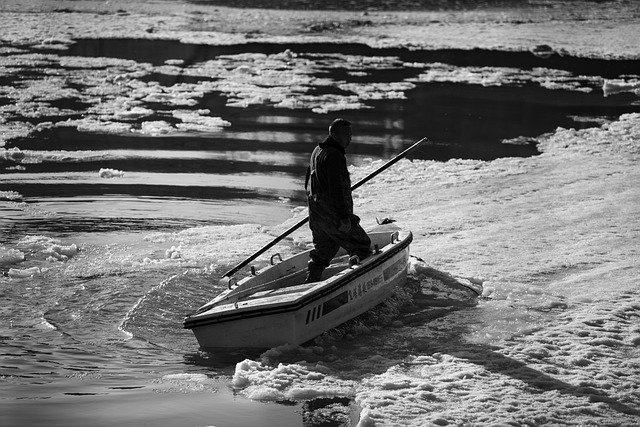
(132, 114)
(110, 173)
(499, 76)
(199, 121)
(10, 195)
(14, 154)
(89, 124)
(24, 273)
(393, 90)
(10, 256)
(47, 248)
(611, 87)
(156, 127)
(297, 381)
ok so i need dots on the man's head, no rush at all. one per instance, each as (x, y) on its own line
(340, 130)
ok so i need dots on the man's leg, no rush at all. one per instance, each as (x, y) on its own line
(355, 241)
(325, 248)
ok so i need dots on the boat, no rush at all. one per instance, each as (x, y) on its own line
(273, 306)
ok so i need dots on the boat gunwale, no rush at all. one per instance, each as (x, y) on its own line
(191, 322)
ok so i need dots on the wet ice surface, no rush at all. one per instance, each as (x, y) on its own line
(130, 183)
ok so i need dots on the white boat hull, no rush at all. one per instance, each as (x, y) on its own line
(296, 314)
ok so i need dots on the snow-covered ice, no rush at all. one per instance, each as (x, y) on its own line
(611, 87)
(553, 238)
(110, 173)
(499, 76)
(10, 256)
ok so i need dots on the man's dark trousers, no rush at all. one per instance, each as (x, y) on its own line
(327, 240)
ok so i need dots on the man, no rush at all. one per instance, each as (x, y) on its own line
(331, 217)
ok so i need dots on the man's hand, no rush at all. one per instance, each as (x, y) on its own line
(345, 225)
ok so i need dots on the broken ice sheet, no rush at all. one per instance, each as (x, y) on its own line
(199, 121)
(285, 79)
(499, 76)
(117, 99)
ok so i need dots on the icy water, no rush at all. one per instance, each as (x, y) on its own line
(203, 151)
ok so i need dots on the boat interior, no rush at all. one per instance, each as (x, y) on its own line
(286, 278)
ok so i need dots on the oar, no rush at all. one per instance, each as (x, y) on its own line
(227, 276)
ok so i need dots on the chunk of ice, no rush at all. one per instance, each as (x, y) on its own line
(110, 173)
(10, 256)
(611, 87)
(27, 272)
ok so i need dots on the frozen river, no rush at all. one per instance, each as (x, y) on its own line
(140, 170)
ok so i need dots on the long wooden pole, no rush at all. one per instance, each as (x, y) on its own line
(302, 222)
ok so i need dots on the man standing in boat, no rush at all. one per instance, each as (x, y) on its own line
(331, 219)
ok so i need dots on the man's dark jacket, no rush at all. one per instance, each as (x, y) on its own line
(328, 183)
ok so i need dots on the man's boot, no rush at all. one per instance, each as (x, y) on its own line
(315, 272)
